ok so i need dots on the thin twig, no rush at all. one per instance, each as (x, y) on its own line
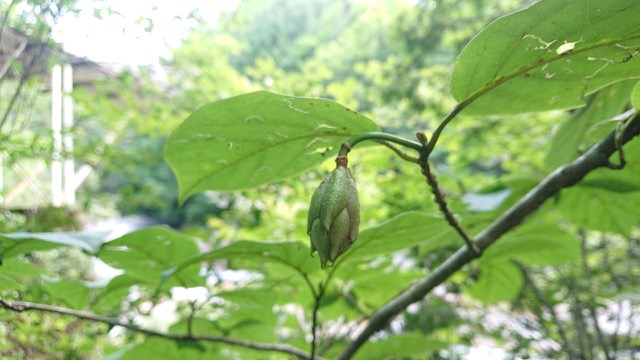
(314, 321)
(20, 306)
(440, 198)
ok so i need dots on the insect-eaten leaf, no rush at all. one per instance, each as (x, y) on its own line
(548, 56)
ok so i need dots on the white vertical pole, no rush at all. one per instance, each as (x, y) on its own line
(56, 129)
(1, 178)
(67, 139)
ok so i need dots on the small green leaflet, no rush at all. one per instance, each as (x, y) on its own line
(253, 139)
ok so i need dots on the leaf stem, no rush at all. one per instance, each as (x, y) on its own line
(403, 155)
(378, 136)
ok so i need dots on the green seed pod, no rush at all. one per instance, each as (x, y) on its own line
(334, 214)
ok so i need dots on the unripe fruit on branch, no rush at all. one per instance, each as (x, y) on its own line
(334, 214)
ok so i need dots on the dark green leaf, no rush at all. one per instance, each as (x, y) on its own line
(548, 56)
(257, 138)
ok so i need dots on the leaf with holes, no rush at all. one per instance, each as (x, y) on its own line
(548, 56)
(257, 138)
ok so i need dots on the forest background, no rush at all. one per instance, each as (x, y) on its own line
(571, 295)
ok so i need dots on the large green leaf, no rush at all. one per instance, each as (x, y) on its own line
(613, 208)
(292, 255)
(548, 56)
(22, 243)
(143, 254)
(253, 304)
(73, 294)
(401, 232)
(538, 244)
(257, 138)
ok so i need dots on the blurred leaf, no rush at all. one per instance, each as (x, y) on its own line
(499, 282)
(548, 56)
(143, 254)
(22, 243)
(249, 303)
(612, 183)
(72, 294)
(112, 295)
(14, 271)
(160, 348)
(198, 326)
(400, 347)
(538, 244)
(374, 286)
(401, 232)
(569, 140)
(292, 255)
(257, 138)
(605, 207)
